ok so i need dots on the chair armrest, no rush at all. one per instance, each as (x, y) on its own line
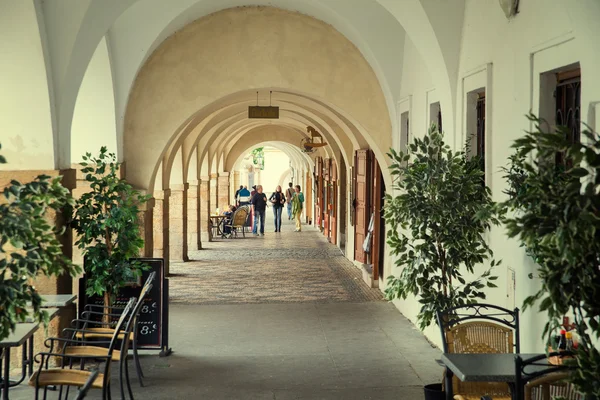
(44, 354)
(74, 341)
(87, 312)
(89, 321)
(91, 306)
(80, 331)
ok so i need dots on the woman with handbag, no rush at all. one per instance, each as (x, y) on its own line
(277, 200)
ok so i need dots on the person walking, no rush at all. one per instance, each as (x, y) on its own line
(289, 193)
(236, 197)
(297, 202)
(278, 200)
(259, 204)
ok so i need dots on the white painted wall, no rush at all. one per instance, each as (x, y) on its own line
(94, 122)
(507, 57)
(26, 130)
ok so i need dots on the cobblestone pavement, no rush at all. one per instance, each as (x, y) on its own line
(286, 267)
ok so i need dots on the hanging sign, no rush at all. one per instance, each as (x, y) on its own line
(270, 112)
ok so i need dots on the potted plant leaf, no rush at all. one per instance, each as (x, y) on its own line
(29, 246)
(443, 210)
(436, 226)
(554, 205)
(106, 220)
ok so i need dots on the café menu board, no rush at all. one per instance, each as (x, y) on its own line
(153, 321)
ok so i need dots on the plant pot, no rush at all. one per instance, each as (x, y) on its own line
(434, 392)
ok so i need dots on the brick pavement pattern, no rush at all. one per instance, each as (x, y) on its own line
(285, 267)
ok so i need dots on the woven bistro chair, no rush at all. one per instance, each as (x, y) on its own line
(238, 220)
(546, 381)
(479, 329)
(61, 376)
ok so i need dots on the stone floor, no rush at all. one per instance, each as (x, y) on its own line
(286, 267)
(280, 334)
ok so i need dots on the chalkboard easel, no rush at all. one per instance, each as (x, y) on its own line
(153, 325)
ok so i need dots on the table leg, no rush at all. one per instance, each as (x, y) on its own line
(30, 355)
(449, 393)
(6, 377)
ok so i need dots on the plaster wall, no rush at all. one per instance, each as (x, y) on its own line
(94, 123)
(506, 57)
(155, 20)
(245, 48)
(26, 132)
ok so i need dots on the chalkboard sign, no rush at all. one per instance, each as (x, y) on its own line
(153, 333)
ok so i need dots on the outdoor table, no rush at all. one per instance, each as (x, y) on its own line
(22, 336)
(217, 222)
(57, 300)
(483, 368)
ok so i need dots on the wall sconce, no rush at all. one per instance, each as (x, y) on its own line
(510, 7)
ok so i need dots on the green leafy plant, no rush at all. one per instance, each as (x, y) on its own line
(106, 220)
(29, 246)
(555, 212)
(258, 157)
(445, 210)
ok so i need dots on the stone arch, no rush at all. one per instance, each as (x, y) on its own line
(298, 68)
(436, 29)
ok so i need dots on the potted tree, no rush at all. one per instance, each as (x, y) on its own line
(436, 226)
(555, 212)
(106, 220)
(29, 246)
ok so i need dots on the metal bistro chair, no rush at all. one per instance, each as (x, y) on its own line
(478, 328)
(61, 376)
(238, 220)
(536, 379)
(88, 384)
(104, 332)
(80, 344)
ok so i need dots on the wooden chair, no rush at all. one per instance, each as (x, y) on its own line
(543, 383)
(238, 220)
(478, 328)
(45, 377)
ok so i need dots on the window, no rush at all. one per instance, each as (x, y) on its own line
(568, 108)
(480, 136)
(404, 131)
(435, 115)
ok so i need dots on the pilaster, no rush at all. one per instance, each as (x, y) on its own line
(223, 191)
(205, 194)
(193, 213)
(214, 190)
(178, 242)
(160, 219)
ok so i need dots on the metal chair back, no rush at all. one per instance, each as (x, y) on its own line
(536, 378)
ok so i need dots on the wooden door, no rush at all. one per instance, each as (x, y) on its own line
(362, 198)
(377, 201)
(318, 200)
(334, 201)
(327, 195)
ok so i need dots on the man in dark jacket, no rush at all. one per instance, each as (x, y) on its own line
(259, 204)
